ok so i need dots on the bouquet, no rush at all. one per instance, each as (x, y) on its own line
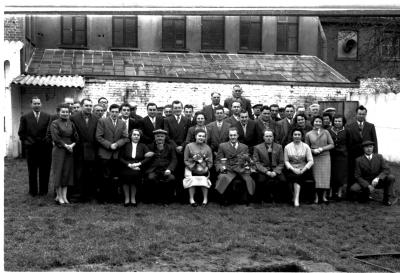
(200, 164)
(245, 163)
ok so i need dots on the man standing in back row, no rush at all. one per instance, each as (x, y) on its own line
(237, 96)
(32, 133)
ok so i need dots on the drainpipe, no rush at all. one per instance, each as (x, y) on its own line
(324, 46)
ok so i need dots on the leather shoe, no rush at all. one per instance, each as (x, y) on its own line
(204, 205)
(193, 205)
(134, 205)
(390, 203)
(126, 204)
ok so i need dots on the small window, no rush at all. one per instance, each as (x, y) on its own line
(124, 30)
(390, 45)
(250, 33)
(174, 32)
(213, 33)
(287, 34)
(73, 31)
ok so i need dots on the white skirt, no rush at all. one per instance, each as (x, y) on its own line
(195, 181)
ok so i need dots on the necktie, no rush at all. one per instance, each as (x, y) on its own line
(115, 123)
(361, 126)
(154, 123)
(37, 117)
(178, 119)
(244, 129)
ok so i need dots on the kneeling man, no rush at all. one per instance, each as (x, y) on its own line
(232, 163)
(160, 178)
(268, 158)
(372, 173)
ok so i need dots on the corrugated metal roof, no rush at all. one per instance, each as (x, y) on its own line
(183, 66)
(53, 80)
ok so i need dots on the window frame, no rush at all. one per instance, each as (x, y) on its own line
(248, 49)
(174, 19)
(124, 45)
(73, 30)
(287, 23)
(214, 49)
(394, 43)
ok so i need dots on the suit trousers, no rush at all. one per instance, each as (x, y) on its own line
(385, 184)
(108, 185)
(271, 188)
(38, 158)
(160, 188)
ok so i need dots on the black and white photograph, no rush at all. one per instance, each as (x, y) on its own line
(211, 136)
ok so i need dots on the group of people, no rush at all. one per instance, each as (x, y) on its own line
(241, 153)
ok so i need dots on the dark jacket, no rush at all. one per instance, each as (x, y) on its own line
(366, 170)
(34, 132)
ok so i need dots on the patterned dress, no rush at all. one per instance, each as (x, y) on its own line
(322, 162)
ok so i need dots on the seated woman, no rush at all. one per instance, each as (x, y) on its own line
(320, 142)
(198, 161)
(199, 117)
(64, 136)
(133, 156)
(298, 161)
(339, 163)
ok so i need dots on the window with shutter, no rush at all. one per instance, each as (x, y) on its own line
(124, 31)
(390, 45)
(250, 33)
(287, 34)
(174, 32)
(73, 31)
(213, 33)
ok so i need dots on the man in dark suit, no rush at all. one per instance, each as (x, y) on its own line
(32, 133)
(126, 117)
(237, 96)
(188, 112)
(235, 111)
(177, 127)
(287, 122)
(85, 150)
(104, 102)
(137, 118)
(160, 178)
(218, 130)
(234, 172)
(270, 181)
(247, 131)
(111, 134)
(209, 110)
(275, 112)
(151, 122)
(358, 132)
(373, 173)
(266, 122)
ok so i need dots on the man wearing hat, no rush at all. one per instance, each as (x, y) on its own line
(257, 111)
(160, 182)
(373, 173)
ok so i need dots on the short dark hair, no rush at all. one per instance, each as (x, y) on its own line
(168, 106)
(243, 111)
(316, 117)
(83, 101)
(151, 104)
(362, 108)
(113, 106)
(62, 105)
(327, 115)
(34, 98)
(177, 102)
(289, 106)
(274, 105)
(299, 115)
(297, 129)
(198, 113)
(125, 104)
(340, 116)
(102, 98)
(265, 107)
(188, 106)
(219, 107)
(77, 101)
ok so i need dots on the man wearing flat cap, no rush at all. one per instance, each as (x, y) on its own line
(372, 173)
(257, 111)
(160, 179)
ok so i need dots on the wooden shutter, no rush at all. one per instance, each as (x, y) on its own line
(67, 33)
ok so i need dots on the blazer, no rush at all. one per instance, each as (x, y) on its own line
(215, 136)
(285, 128)
(250, 138)
(166, 159)
(246, 105)
(366, 170)
(261, 158)
(356, 138)
(34, 132)
(209, 113)
(274, 126)
(134, 124)
(225, 150)
(177, 132)
(125, 155)
(87, 145)
(148, 128)
(106, 134)
(231, 120)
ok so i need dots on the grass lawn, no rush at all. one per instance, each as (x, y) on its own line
(40, 235)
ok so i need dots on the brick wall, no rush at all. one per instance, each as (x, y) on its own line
(198, 94)
(14, 28)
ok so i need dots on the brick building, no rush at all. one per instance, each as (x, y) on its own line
(139, 57)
